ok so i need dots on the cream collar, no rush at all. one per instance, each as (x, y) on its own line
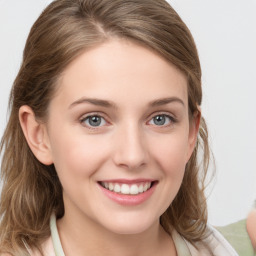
(180, 244)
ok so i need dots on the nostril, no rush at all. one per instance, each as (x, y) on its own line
(130, 161)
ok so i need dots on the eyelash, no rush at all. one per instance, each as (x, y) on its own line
(172, 120)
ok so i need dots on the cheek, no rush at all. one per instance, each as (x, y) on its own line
(170, 158)
(171, 154)
(76, 155)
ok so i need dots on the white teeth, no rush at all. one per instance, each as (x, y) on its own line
(133, 189)
(117, 188)
(125, 189)
(140, 188)
(110, 186)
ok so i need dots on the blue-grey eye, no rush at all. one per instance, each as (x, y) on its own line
(160, 120)
(94, 121)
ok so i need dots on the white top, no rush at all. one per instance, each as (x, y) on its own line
(216, 244)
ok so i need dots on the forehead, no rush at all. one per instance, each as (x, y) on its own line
(121, 70)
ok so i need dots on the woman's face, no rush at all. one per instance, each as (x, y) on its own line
(119, 136)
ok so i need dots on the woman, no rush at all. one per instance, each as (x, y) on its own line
(103, 137)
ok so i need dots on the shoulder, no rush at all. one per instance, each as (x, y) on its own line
(213, 244)
(218, 244)
(236, 234)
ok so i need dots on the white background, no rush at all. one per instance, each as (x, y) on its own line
(225, 33)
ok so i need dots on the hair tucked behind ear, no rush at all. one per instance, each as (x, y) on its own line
(32, 191)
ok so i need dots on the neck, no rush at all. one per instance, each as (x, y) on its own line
(82, 236)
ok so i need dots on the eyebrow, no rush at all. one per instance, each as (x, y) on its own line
(109, 104)
(164, 101)
(94, 101)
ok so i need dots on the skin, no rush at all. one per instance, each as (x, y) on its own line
(128, 144)
(251, 227)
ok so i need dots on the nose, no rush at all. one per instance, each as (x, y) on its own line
(130, 148)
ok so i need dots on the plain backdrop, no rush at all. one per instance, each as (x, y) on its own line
(225, 34)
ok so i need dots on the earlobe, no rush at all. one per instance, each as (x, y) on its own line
(36, 135)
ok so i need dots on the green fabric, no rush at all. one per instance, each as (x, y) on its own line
(237, 236)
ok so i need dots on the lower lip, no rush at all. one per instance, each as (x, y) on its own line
(129, 200)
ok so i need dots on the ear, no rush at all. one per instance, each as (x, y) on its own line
(36, 135)
(193, 132)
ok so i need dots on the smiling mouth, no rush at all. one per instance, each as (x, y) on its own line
(127, 189)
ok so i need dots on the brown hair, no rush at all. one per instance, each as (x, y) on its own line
(32, 191)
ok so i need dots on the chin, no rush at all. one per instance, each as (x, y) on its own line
(131, 226)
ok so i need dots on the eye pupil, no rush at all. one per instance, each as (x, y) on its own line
(159, 120)
(95, 120)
